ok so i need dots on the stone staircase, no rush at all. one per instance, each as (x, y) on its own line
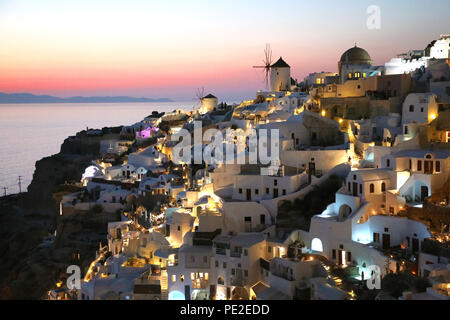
(164, 285)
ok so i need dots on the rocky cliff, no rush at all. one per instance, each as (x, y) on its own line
(29, 266)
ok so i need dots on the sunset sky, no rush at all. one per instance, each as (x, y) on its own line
(169, 48)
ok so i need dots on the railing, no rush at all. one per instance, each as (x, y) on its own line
(238, 281)
(199, 284)
(235, 254)
(284, 275)
(221, 251)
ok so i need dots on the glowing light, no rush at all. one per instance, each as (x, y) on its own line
(316, 245)
(323, 113)
(176, 295)
(433, 116)
(340, 120)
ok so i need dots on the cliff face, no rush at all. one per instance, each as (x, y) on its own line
(28, 269)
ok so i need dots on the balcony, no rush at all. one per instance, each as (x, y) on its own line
(283, 275)
(221, 251)
(235, 254)
(238, 281)
(199, 283)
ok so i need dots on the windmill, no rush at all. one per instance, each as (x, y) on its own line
(199, 94)
(267, 61)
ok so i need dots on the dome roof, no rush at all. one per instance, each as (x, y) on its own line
(356, 55)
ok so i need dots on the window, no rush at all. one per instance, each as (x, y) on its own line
(267, 191)
(410, 164)
(224, 265)
(438, 166)
(334, 253)
(245, 252)
(386, 229)
(174, 278)
(388, 163)
(275, 182)
(360, 188)
(372, 188)
(192, 259)
(233, 272)
(256, 191)
(240, 190)
(192, 276)
(411, 108)
(246, 273)
(421, 109)
(419, 165)
(349, 186)
(383, 187)
(262, 219)
(269, 249)
(354, 177)
(179, 228)
(284, 192)
(376, 237)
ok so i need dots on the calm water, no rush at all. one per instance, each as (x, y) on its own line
(29, 132)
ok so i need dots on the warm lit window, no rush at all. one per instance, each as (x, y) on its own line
(364, 75)
(174, 278)
(192, 276)
(349, 75)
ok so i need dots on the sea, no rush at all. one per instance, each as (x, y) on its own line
(30, 132)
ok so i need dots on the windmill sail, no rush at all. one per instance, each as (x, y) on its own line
(267, 63)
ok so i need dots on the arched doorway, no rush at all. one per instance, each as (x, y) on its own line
(344, 212)
(316, 245)
(176, 295)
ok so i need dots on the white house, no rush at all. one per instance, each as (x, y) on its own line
(419, 108)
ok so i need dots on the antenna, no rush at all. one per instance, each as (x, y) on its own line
(4, 189)
(20, 184)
